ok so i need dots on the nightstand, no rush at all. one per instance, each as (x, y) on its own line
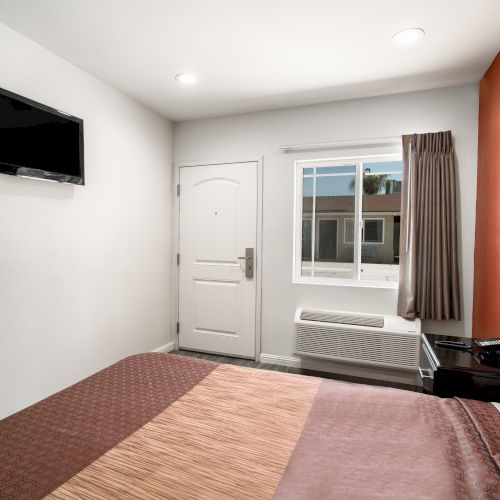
(450, 372)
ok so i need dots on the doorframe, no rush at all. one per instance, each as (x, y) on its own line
(259, 160)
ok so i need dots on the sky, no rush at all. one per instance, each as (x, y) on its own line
(342, 185)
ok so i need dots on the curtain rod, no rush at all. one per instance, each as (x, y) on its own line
(338, 144)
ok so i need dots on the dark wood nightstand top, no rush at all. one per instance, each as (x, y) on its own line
(452, 359)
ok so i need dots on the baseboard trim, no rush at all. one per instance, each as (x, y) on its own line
(403, 377)
(272, 359)
(165, 348)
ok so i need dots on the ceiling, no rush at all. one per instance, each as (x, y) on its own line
(260, 54)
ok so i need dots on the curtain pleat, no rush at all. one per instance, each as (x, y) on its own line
(429, 285)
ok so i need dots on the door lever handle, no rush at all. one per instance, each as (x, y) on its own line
(248, 258)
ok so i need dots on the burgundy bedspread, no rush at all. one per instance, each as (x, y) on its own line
(44, 445)
(173, 427)
(367, 442)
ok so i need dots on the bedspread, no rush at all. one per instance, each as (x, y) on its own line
(166, 426)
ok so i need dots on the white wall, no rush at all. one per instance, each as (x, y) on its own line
(84, 271)
(248, 136)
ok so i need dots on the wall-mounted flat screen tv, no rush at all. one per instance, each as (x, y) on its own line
(38, 141)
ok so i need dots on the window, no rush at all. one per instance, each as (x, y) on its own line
(372, 231)
(347, 220)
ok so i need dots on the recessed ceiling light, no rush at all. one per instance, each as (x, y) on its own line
(408, 36)
(185, 78)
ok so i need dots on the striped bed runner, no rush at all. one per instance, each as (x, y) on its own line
(230, 437)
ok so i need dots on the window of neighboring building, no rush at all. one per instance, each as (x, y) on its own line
(372, 231)
(347, 220)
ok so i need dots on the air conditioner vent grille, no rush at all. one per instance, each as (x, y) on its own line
(345, 319)
(382, 348)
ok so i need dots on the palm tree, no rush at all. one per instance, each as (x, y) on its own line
(372, 184)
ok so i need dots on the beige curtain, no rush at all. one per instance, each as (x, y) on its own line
(428, 282)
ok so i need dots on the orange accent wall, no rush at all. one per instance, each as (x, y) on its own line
(486, 312)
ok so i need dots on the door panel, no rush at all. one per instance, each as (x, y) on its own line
(327, 244)
(222, 316)
(218, 221)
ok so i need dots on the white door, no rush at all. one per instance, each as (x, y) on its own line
(218, 231)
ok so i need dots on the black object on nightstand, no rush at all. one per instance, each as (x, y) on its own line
(453, 372)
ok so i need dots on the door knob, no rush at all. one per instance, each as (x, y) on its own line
(248, 258)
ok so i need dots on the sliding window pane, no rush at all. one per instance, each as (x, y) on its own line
(381, 204)
(334, 203)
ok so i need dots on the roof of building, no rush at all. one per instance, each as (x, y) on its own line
(390, 203)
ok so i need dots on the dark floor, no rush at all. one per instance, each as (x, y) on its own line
(277, 368)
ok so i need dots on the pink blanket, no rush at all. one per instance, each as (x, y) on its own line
(364, 442)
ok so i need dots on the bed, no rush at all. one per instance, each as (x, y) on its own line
(166, 426)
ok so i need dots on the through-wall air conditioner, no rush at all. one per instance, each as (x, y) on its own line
(371, 339)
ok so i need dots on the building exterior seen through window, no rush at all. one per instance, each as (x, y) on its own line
(349, 219)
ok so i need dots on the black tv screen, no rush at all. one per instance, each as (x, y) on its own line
(38, 141)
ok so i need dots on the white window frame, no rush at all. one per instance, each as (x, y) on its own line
(358, 161)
